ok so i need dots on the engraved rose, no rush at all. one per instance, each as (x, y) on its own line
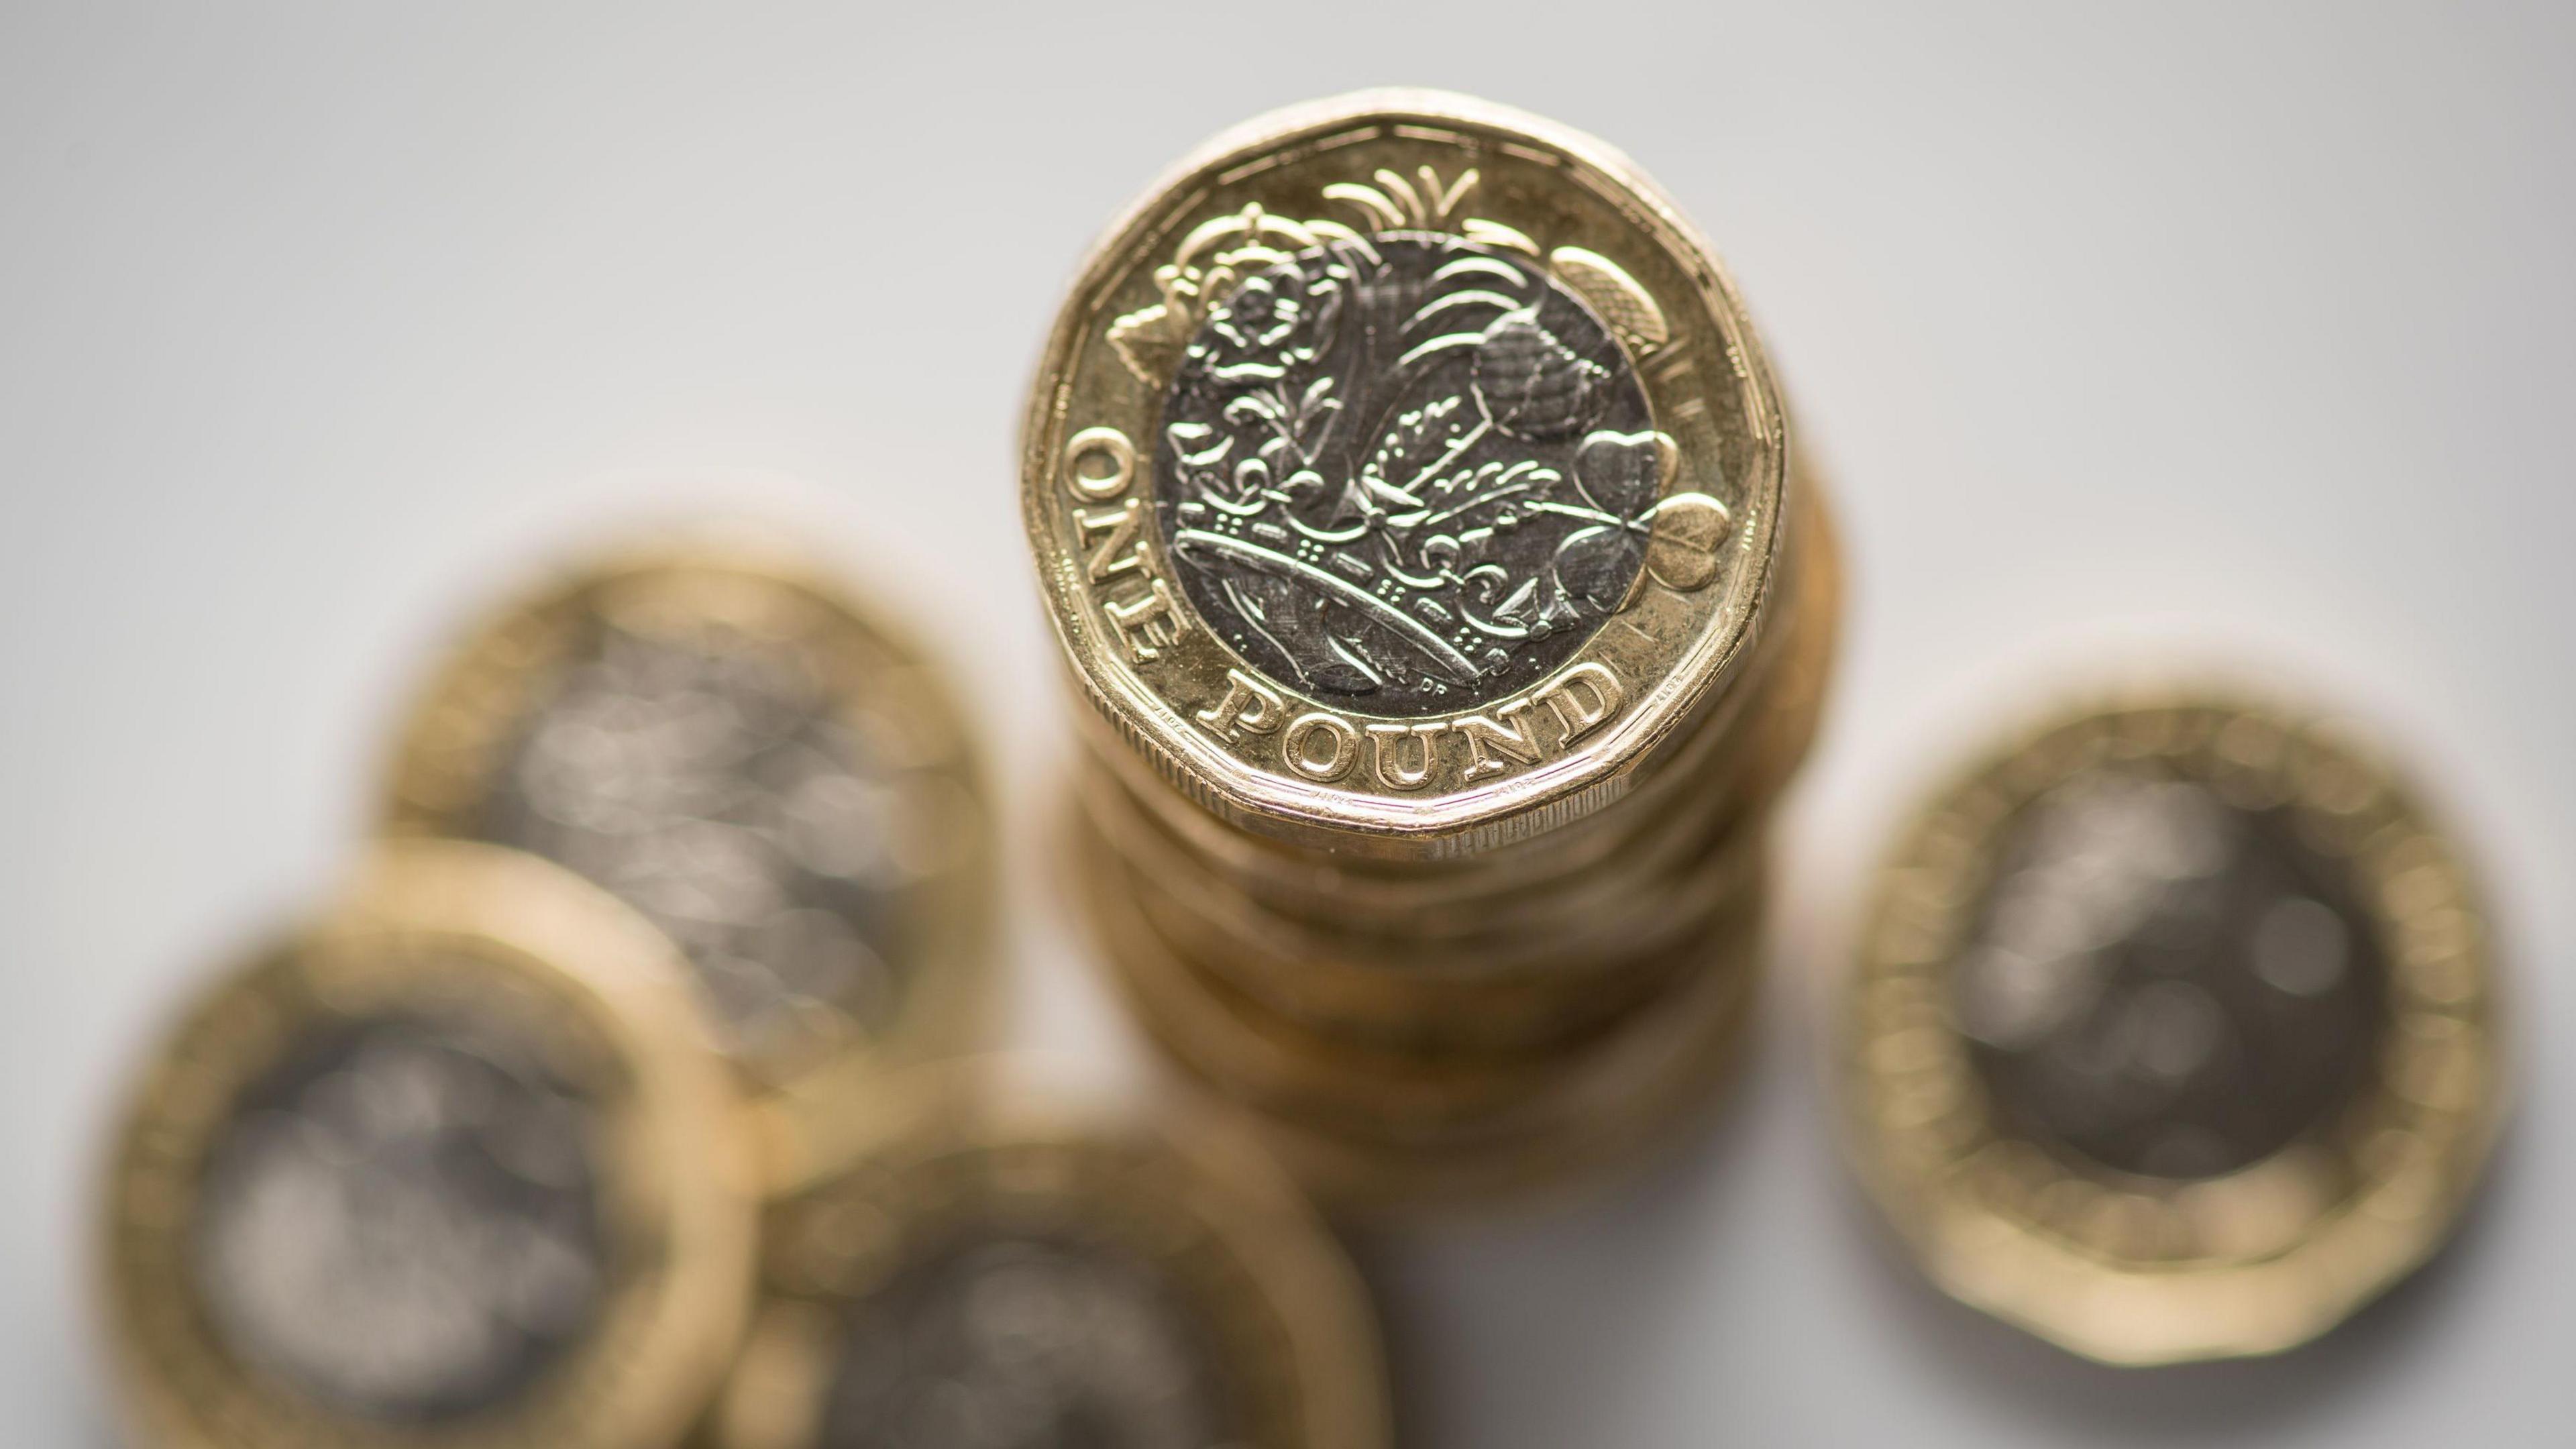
(1209, 268)
(1276, 322)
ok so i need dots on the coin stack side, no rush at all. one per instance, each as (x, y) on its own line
(1540, 1033)
(1449, 609)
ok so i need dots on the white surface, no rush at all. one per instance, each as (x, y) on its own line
(2253, 325)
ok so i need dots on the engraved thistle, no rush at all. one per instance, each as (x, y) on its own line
(1413, 467)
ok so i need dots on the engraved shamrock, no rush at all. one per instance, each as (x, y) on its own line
(1211, 264)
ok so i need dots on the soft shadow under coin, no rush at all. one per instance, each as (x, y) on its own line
(1591, 1274)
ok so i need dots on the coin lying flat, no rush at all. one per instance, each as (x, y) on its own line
(2175, 1033)
(453, 1164)
(1003, 1272)
(1401, 474)
(712, 730)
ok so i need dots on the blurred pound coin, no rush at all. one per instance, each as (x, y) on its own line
(452, 1164)
(715, 731)
(1005, 1271)
(2175, 1033)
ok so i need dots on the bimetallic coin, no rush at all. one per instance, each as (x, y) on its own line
(1403, 472)
(1002, 1275)
(714, 733)
(452, 1165)
(2175, 1034)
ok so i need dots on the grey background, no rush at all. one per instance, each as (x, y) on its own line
(2237, 328)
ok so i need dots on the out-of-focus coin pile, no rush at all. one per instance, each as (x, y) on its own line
(2175, 1033)
(612, 1048)
(1419, 518)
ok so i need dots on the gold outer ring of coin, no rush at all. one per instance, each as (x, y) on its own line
(2142, 1271)
(1153, 670)
(1734, 765)
(427, 923)
(1183, 1191)
(448, 748)
(1739, 765)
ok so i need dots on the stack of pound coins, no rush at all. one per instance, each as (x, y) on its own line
(1419, 517)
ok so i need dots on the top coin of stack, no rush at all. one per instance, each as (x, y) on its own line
(1416, 509)
(1405, 477)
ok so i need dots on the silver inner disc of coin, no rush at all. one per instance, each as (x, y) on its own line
(401, 1221)
(1406, 473)
(722, 791)
(2164, 983)
(1018, 1341)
